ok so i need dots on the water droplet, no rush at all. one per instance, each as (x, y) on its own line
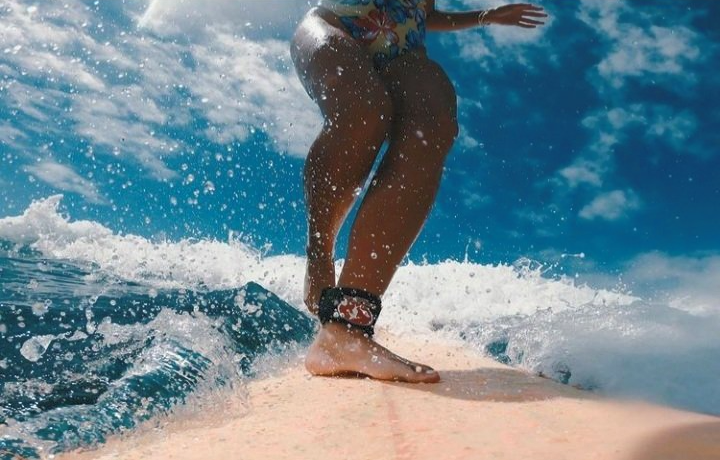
(39, 309)
(34, 348)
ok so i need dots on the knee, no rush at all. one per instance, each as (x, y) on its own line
(354, 130)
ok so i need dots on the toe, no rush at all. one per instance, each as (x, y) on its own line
(418, 373)
(426, 374)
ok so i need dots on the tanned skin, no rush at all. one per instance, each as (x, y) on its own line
(412, 104)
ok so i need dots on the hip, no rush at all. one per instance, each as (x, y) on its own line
(385, 34)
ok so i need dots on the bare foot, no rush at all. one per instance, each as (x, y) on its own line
(319, 274)
(338, 351)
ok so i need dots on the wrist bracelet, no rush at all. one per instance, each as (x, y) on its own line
(482, 18)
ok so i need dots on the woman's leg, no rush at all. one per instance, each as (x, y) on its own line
(403, 191)
(392, 214)
(338, 74)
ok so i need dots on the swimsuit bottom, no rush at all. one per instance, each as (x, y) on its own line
(389, 28)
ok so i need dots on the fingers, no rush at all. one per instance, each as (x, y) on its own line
(534, 15)
(524, 15)
(526, 10)
(530, 10)
(531, 21)
(529, 6)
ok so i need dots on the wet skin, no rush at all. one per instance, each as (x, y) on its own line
(412, 104)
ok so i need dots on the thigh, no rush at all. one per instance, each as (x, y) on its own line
(422, 92)
(337, 71)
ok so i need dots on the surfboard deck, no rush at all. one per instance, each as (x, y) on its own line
(481, 409)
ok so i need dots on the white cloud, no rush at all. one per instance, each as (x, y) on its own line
(592, 170)
(38, 41)
(257, 19)
(688, 282)
(611, 128)
(56, 45)
(586, 171)
(11, 136)
(465, 105)
(126, 89)
(639, 48)
(240, 84)
(659, 122)
(123, 122)
(244, 84)
(498, 45)
(64, 178)
(545, 222)
(611, 206)
(633, 48)
(474, 200)
(674, 127)
(466, 141)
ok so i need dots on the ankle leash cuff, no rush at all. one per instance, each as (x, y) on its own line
(363, 315)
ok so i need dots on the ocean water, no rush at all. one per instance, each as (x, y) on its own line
(85, 354)
(100, 331)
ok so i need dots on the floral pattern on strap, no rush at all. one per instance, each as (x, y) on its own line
(389, 28)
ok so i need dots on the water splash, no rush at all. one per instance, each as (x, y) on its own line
(100, 361)
(598, 339)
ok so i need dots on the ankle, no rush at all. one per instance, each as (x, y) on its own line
(353, 308)
(341, 332)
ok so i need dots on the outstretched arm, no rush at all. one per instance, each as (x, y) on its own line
(522, 15)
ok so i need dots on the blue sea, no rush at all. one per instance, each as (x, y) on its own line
(85, 354)
(100, 332)
(574, 234)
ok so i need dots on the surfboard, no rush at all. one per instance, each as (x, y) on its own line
(480, 410)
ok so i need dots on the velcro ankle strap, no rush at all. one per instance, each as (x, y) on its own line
(336, 307)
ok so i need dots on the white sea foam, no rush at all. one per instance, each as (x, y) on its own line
(449, 290)
(596, 338)
(35, 347)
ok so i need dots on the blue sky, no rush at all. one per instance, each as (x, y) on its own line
(597, 135)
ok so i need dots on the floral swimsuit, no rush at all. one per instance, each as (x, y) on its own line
(389, 28)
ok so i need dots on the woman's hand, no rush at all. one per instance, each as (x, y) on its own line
(520, 14)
